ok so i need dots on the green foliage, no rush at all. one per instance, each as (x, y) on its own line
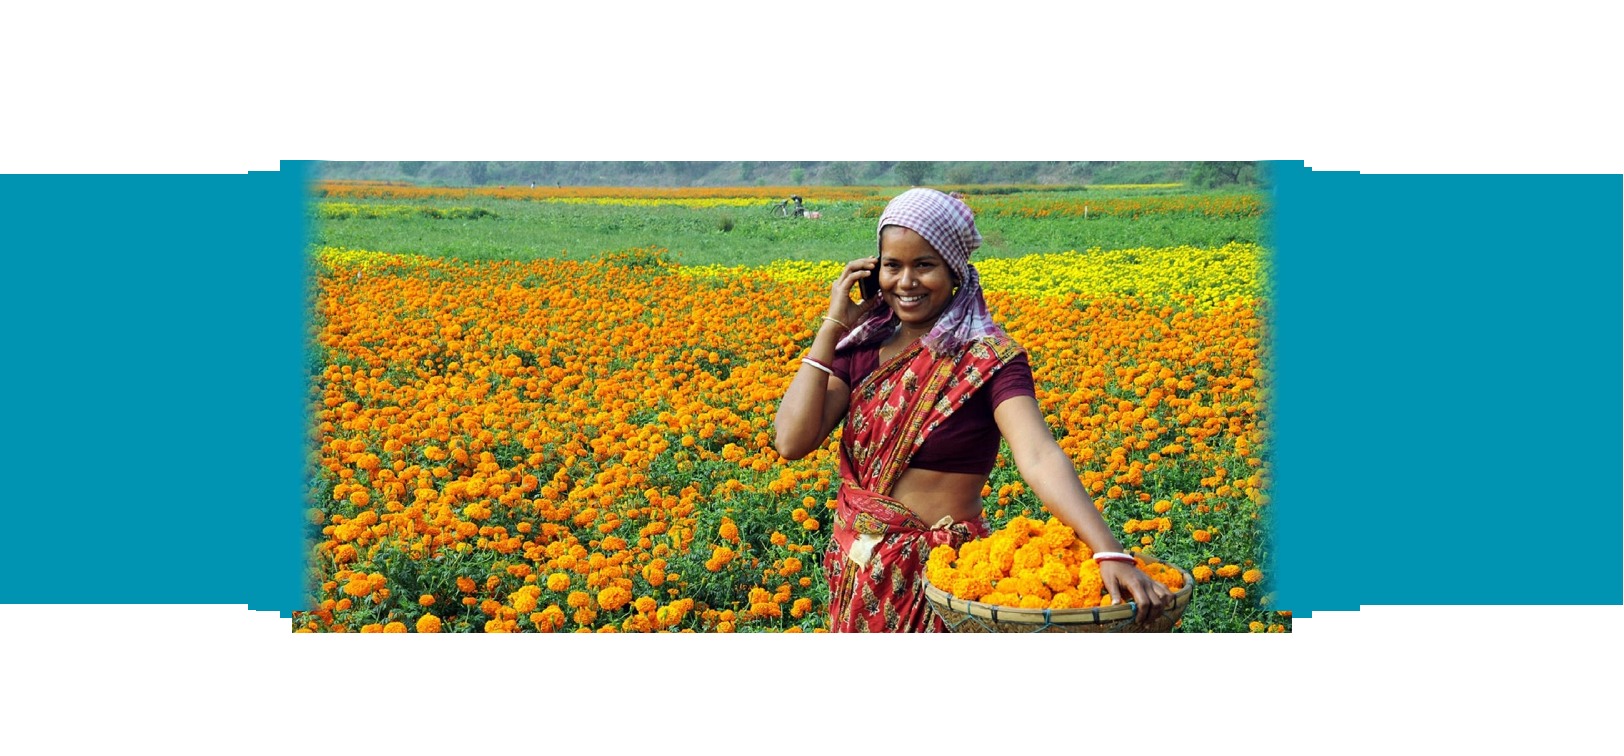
(1211, 174)
(477, 171)
(797, 176)
(725, 223)
(410, 168)
(522, 230)
(747, 170)
(840, 172)
(913, 172)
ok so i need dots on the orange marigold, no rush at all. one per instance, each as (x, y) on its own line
(1252, 576)
(614, 597)
(428, 623)
(1237, 592)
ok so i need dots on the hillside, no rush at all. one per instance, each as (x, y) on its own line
(769, 173)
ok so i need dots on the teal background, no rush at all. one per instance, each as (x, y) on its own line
(154, 374)
(1446, 350)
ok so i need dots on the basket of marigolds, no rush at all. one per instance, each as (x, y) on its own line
(1033, 577)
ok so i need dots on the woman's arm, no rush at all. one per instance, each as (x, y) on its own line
(816, 401)
(1054, 480)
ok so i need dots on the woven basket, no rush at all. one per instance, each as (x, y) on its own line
(964, 616)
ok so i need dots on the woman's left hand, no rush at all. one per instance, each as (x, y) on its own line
(1152, 597)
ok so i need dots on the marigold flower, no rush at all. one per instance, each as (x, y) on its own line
(613, 597)
(428, 623)
(426, 599)
(395, 627)
(1201, 536)
(1237, 592)
(1229, 571)
(1252, 576)
(1202, 573)
(466, 585)
(809, 524)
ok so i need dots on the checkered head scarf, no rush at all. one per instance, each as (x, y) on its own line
(950, 227)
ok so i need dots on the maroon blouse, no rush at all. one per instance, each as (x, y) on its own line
(967, 442)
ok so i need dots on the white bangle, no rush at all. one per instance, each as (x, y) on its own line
(1113, 556)
(816, 364)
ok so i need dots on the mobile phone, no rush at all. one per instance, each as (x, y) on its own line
(869, 286)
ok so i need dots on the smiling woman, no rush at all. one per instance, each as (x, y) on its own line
(926, 383)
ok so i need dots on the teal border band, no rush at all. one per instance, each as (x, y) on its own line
(1446, 348)
(155, 376)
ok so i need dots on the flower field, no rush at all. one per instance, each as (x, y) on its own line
(585, 446)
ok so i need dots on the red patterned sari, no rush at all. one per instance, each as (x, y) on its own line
(876, 559)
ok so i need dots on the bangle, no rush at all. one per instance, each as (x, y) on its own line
(836, 322)
(818, 365)
(1113, 556)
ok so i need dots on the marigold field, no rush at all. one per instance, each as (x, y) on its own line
(584, 445)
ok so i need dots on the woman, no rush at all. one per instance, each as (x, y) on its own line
(927, 384)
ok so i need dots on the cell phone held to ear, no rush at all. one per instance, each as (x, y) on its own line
(869, 286)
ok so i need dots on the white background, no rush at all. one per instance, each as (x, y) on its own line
(1378, 87)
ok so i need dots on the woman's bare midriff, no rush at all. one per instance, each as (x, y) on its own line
(932, 494)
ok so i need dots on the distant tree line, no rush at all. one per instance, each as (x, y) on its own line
(1201, 174)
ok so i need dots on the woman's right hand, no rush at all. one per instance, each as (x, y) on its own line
(841, 307)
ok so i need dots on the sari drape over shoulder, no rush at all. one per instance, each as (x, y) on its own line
(876, 558)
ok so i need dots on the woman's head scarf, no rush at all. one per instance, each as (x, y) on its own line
(950, 227)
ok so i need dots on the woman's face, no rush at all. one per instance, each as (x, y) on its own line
(915, 282)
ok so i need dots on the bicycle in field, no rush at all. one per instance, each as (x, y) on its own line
(784, 210)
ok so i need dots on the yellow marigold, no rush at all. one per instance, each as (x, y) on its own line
(578, 600)
(558, 581)
(809, 524)
(1237, 592)
(1028, 557)
(1057, 539)
(1229, 571)
(644, 604)
(1065, 600)
(523, 602)
(1257, 627)
(1033, 602)
(395, 627)
(428, 623)
(1056, 576)
(1252, 576)
(585, 616)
